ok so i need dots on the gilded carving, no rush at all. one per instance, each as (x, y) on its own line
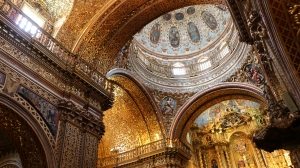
(294, 11)
(276, 109)
(233, 147)
(12, 125)
(156, 154)
(90, 151)
(25, 104)
(71, 149)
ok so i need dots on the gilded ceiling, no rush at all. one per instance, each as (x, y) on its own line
(131, 122)
(57, 9)
(97, 30)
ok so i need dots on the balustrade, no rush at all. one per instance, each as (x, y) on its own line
(58, 53)
(143, 151)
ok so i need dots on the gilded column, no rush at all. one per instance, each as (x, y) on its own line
(227, 157)
(232, 157)
(219, 154)
(78, 135)
(200, 158)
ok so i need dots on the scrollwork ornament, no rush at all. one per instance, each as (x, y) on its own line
(276, 110)
(294, 12)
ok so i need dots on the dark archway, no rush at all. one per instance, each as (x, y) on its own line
(25, 135)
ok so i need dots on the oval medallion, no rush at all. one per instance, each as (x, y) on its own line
(174, 37)
(167, 17)
(155, 33)
(191, 10)
(193, 32)
(179, 16)
(209, 20)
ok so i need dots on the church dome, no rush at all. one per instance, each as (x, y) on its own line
(184, 31)
(187, 49)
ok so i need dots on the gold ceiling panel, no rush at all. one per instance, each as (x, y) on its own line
(151, 115)
(81, 14)
(131, 122)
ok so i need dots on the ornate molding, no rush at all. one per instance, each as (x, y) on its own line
(277, 111)
(78, 136)
(81, 117)
(63, 69)
(237, 13)
(162, 153)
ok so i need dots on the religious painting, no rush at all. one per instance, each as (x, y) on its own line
(48, 111)
(168, 106)
(254, 74)
(174, 37)
(2, 78)
(155, 33)
(193, 32)
(209, 20)
(227, 114)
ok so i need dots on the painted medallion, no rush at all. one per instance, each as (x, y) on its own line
(209, 20)
(155, 33)
(193, 32)
(174, 37)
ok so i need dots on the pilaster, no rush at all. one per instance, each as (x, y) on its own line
(78, 135)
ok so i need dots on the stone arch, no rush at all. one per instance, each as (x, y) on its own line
(203, 100)
(35, 150)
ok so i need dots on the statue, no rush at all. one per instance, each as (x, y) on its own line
(214, 163)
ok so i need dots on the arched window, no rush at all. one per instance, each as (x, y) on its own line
(27, 25)
(178, 69)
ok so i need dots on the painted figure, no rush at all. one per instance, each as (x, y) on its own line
(155, 33)
(193, 32)
(209, 20)
(174, 37)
